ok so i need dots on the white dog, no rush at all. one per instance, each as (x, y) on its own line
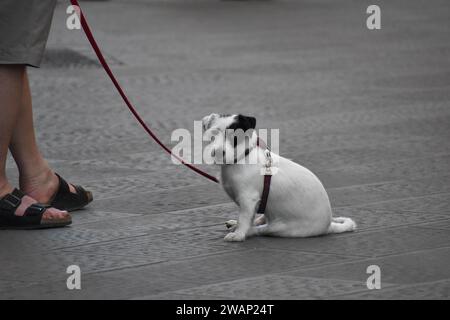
(297, 206)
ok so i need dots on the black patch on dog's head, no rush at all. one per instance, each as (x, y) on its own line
(243, 122)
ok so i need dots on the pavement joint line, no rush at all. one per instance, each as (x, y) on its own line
(402, 211)
(400, 226)
(95, 243)
(64, 277)
(83, 225)
(259, 277)
(397, 286)
(187, 295)
(367, 259)
(332, 188)
(435, 227)
(131, 215)
(392, 200)
(174, 212)
(384, 182)
(237, 278)
(389, 284)
(387, 162)
(136, 216)
(152, 232)
(352, 259)
(318, 172)
(356, 145)
(149, 190)
(218, 253)
(156, 151)
(319, 253)
(167, 260)
(412, 252)
(162, 231)
(143, 234)
(371, 257)
(353, 234)
(138, 175)
(357, 291)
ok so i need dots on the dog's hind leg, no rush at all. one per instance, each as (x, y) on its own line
(261, 230)
(272, 229)
(259, 220)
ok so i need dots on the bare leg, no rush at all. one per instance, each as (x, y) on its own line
(36, 177)
(12, 79)
(10, 92)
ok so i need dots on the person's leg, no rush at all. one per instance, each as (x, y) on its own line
(11, 83)
(36, 177)
(12, 79)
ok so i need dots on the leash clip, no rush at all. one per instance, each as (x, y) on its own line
(267, 169)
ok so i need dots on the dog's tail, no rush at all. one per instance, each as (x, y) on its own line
(341, 224)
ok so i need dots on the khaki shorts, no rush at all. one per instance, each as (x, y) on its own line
(24, 28)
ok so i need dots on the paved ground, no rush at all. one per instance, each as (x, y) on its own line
(368, 111)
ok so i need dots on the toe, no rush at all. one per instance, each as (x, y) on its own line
(55, 214)
(89, 196)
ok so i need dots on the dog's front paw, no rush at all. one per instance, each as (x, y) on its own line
(235, 236)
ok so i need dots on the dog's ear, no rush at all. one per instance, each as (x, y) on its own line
(244, 123)
(208, 120)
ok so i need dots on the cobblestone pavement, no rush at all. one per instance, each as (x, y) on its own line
(368, 111)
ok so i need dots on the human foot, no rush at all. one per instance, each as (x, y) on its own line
(50, 188)
(20, 211)
(42, 186)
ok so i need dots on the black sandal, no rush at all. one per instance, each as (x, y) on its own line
(32, 218)
(63, 199)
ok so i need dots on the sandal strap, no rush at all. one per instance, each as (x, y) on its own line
(64, 199)
(8, 206)
(36, 210)
(63, 185)
(12, 200)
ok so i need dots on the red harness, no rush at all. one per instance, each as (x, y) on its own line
(101, 58)
(267, 177)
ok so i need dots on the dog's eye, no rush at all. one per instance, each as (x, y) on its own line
(215, 131)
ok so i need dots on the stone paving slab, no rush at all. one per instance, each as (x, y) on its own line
(166, 200)
(373, 218)
(156, 223)
(443, 224)
(367, 111)
(90, 215)
(435, 204)
(375, 243)
(233, 265)
(395, 170)
(95, 286)
(43, 240)
(409, 268)
(371, 193)
(53, 265)
(272, 287)
(391, 151)
(439, 290)
(178, 244)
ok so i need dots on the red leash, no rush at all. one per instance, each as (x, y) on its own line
(90, 37)
(105, 65)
